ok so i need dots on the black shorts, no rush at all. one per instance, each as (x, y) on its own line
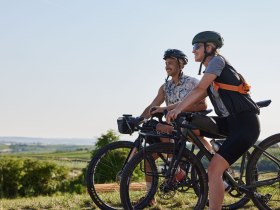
(242, 132)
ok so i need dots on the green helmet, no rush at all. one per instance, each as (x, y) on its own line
(209, 36)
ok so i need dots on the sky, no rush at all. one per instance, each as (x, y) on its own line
(70, 68)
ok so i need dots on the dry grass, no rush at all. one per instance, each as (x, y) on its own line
(83, 202)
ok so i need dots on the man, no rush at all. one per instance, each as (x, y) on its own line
(172, 92)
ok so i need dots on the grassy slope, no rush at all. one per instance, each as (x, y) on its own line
(73, 202)
(76, 159)
(73, 155)
(81, 202)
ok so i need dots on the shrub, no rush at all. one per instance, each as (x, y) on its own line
(26, 177)
(11, 173)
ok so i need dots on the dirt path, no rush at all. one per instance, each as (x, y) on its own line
(116, 187)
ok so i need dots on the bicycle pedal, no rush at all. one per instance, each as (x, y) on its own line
(266, 198)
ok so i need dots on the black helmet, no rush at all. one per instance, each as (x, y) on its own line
(174, 53)
(209, 36)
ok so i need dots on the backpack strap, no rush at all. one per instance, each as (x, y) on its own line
(243, 88)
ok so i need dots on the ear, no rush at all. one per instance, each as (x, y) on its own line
(209, 48)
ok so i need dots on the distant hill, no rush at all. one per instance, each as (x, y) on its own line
(48, 141)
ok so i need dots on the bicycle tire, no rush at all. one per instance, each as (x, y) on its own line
(106, 160)
(261, 168)
(163, 148)
(235, 199)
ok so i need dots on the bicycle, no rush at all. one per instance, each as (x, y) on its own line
(108, 162)
(162, 171)
(256, 186)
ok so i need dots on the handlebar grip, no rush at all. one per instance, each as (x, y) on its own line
(165, 111)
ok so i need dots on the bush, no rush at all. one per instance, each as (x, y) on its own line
(10, 177)
(42, 178)
(26, 177)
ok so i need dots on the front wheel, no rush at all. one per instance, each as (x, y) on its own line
(264, 176)
(103, 174)
(136, 194)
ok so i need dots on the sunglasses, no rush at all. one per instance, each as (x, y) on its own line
(196, 46)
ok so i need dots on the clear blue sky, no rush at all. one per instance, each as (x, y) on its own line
(71, 68)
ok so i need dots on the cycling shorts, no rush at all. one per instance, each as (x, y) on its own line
(242, 132)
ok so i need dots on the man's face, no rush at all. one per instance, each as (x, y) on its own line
(172, 66)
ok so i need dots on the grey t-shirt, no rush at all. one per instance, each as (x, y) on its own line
(216, 66)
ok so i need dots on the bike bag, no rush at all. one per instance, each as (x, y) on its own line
(126, 124)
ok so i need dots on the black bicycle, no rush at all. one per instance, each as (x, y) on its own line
(105, 168)
(160, 162)
(262, 177)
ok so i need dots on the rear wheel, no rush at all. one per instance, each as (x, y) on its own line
(103, 174)
(178, 194)
(264, 176)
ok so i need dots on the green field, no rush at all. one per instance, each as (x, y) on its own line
(71, 157)
(83, 202)
(36, 148)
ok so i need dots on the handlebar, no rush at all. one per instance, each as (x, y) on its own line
(181, 119)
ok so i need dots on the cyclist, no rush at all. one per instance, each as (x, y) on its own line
(172, 92)
(238, 113)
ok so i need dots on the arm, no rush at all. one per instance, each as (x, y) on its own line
(159, 99)
(201, 105)
(195, 96)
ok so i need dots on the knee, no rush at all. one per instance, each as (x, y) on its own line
(164, 128)
(217, 167)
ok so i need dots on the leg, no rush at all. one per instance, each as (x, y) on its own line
(206, 143)
(216, 169)
(165, 129)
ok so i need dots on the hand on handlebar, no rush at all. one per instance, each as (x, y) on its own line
(156, 109)
(172, 115)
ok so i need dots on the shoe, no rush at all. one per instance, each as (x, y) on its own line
(180, 175)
